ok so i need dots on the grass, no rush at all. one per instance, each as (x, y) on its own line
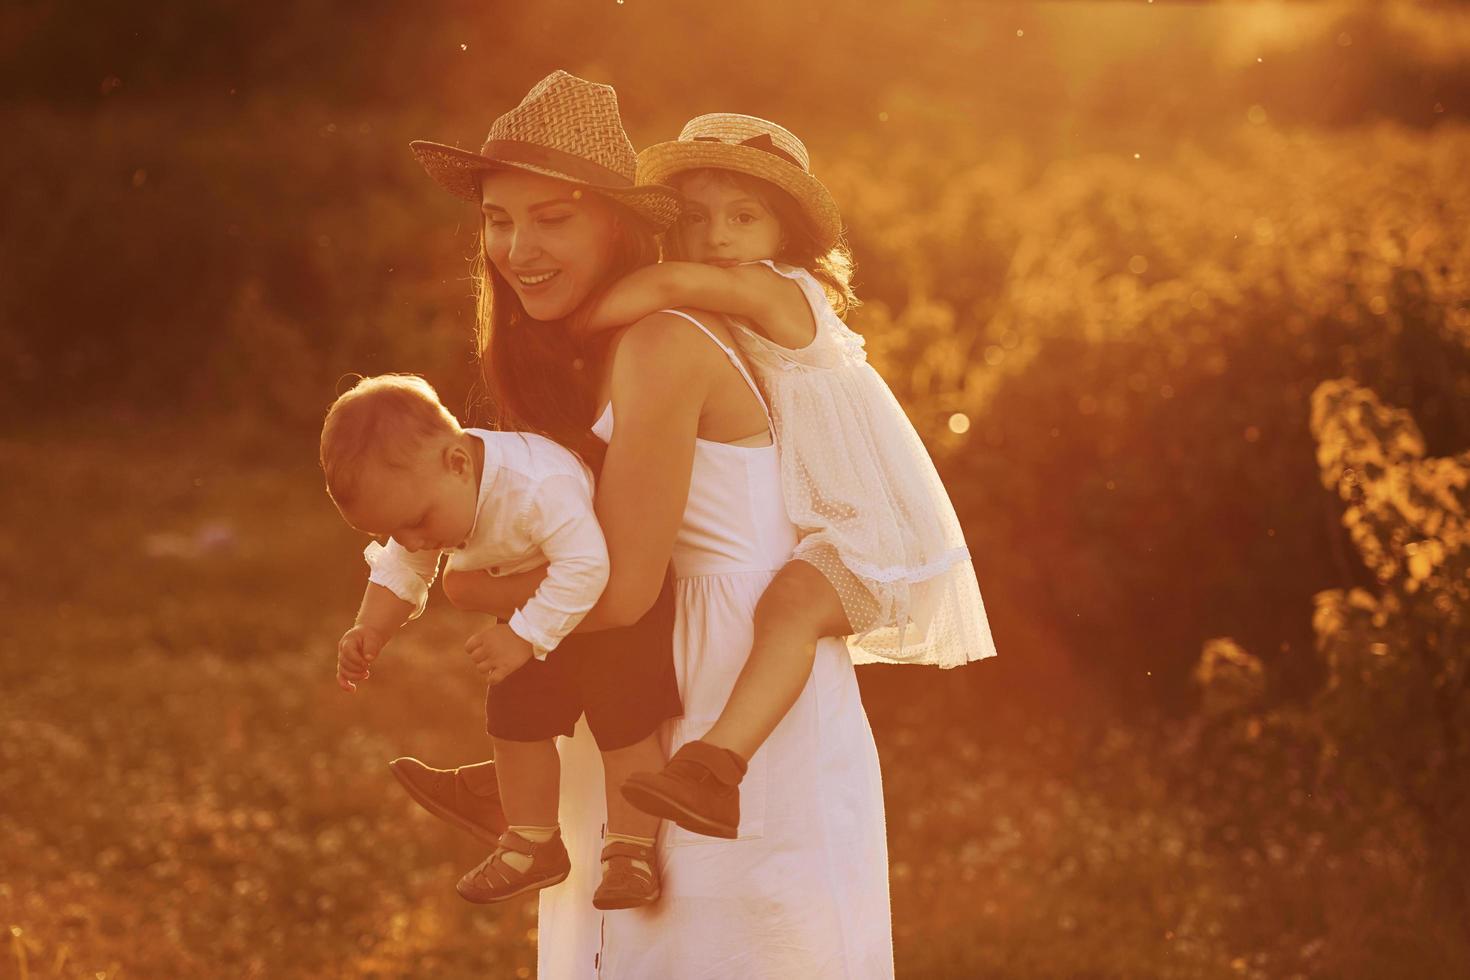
(186, 792)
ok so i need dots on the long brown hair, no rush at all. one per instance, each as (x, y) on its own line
(831, 267)
(537, 375)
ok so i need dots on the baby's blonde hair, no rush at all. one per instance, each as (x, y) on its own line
(381, 419)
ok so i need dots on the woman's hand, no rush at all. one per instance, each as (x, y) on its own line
(498, 652)
(498, 595)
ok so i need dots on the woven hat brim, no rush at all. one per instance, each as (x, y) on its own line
(662, 161)
(459, 172)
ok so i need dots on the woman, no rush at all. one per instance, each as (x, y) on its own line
(689, 475)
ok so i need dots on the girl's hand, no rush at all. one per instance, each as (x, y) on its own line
(356, 651)
(498, 652)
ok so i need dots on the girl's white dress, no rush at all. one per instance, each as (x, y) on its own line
(803, 891)
(873, 514)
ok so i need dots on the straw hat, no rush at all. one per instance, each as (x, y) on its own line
(747, 145)
(566, 127)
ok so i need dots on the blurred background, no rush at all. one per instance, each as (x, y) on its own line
(1177, 293)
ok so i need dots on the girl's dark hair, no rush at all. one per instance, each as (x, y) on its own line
(831, 267)
(538, 377)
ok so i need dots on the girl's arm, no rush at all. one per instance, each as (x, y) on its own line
(747, 291)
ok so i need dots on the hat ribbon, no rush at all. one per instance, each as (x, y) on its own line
(760, 141)
(575, 167)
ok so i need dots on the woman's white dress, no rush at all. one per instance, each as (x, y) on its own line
(803, 891)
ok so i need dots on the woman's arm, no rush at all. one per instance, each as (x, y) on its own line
(499, 595)
(661, 375)
(747, 291)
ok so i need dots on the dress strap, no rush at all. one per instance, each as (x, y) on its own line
(734, 357)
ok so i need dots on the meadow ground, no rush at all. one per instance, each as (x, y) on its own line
(185, 792)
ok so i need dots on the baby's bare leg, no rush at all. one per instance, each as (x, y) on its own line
(617, 765)
(798, 608)
(529, 774)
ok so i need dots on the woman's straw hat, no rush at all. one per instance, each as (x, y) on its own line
(566, 127)
(752, 146)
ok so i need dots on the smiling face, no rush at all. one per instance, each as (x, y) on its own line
(426, 504)
(725, 223)
(550, 240)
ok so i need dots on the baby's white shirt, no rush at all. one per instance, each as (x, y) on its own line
(534, 508)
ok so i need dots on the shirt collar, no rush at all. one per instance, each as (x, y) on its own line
(488, 475)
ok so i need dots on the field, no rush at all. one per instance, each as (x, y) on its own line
(1178, 296)
(188, 794)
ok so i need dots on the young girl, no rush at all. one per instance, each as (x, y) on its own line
(399, 465)
(882, 558)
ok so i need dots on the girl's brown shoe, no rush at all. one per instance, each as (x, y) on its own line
(699, 790)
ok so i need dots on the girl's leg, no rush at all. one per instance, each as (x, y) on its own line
(530, 781)
(799, 607)
(618, 764)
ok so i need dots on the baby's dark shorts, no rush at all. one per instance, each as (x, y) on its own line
(622, 679)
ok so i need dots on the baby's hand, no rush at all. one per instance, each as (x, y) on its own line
(356, 651)
(498, 652)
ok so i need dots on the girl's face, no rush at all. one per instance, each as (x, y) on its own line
(724, 224)
(429, 505)
(552, 241)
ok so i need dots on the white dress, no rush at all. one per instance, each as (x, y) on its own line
(803, 891)
(874, 516)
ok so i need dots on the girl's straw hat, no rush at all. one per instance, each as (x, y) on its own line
(566, 127)
(752, 146)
